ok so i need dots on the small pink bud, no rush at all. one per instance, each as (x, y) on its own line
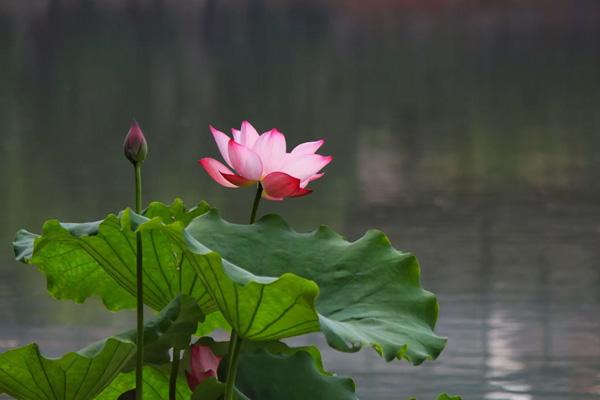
(135, 145)
(203, 365)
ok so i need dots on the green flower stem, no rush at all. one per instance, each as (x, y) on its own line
(259, 191)
(176, 353)
(139, 378)
(235, 342)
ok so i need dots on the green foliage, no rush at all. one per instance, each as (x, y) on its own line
(98, 258)
(265, 280)
(274, 371)
(445, 396)
(292, 375)
(370, 294)
(172, 327)
(267, 371)
(25, 374)
(156, 385)
(259, 308)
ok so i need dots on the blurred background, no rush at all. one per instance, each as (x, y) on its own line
(468, 131)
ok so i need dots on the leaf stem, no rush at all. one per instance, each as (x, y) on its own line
(174, 373)
(139, 377)
(235, 342)
(176, 351)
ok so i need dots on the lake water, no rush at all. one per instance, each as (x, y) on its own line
(469, 132)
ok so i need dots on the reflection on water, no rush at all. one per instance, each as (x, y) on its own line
(468, 132)
(503, 359)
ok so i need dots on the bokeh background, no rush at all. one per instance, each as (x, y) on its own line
(469, 131)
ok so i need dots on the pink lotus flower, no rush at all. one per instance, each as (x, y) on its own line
(203, 365)
(263, 158)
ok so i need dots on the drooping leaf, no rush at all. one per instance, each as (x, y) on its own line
(26, 374)
(98, 258)
(370, 293)
(259, 308)
(293, 376)
(156, 385)
(172, 327)
(275, 371)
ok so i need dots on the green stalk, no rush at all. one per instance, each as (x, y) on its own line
(259, 190)
(139, 372)
(235, 342)
(176, 352)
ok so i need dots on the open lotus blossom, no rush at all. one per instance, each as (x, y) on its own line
(263, 158)
(203, 365)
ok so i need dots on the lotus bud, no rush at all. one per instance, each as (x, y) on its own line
(203, 365)
(135, 145)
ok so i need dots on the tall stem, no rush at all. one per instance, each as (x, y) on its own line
(176, 351)
(139, 377)
(235, 342)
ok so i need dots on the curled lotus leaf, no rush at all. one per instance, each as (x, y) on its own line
(97, 259)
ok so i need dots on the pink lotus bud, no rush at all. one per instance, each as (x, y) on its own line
(135, 145)
(203, 365)
(263, 158)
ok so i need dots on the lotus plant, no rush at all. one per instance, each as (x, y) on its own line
(263, 159)
(263, 282)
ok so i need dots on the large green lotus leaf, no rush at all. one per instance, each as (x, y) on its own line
(257, 307)
(99, 259)
(156, 385)
(370, 293)
(275, 371)
(26, 374)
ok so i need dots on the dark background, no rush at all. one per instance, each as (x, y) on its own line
(469, 131)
